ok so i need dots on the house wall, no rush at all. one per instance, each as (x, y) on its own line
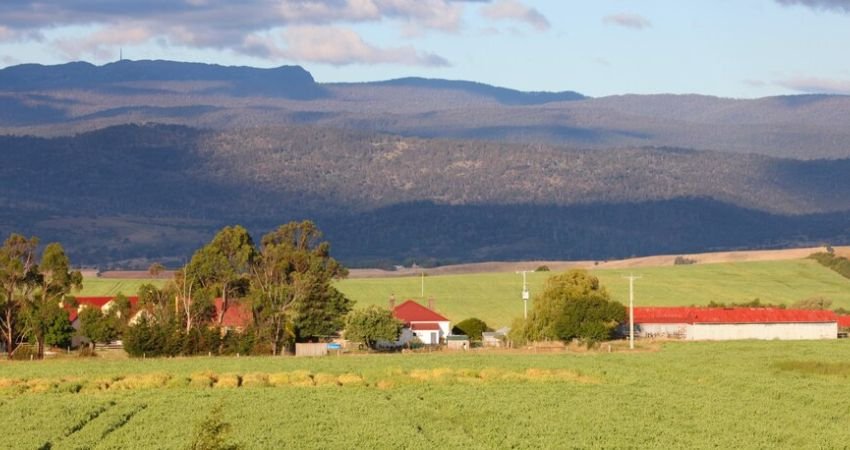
(426, 336)
(781, 331)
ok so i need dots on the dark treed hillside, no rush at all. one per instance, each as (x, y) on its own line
(132, 194)
(70, 98)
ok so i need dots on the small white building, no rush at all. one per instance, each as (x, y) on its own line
(428, 325)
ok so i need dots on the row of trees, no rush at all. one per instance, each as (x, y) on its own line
(285, 283)
(32, 293)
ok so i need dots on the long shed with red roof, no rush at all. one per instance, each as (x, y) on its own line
(695, 323)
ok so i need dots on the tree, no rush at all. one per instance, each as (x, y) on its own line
(155, 269)
(472, 327)
(573, 305)
(41, 311)
(371, 325)
(18, 277)
(98, 326)
(291, 288)
(224, 263)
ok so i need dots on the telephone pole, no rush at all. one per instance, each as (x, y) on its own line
(632, 279)
(525, 295)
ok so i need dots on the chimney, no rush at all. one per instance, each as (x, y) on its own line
(431, 303)
(392, 302)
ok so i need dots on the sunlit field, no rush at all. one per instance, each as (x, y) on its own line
(679, 395)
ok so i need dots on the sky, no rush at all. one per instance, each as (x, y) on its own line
(728, 48)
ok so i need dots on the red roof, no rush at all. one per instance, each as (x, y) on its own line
(410, 311)
(844, 321)
(662, 315)
(424, 326)
(97, 302)
(238, 314)
(732, 315)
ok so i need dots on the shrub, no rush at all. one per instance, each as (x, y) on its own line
(472, 327)
(543, 268)
(683, 261)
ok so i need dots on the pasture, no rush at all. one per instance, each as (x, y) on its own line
(684, 395)
(495, 297)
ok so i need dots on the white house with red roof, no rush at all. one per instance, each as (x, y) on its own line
(426, 324)
(712, 324)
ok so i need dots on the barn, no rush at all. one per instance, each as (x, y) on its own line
(711, 324)
(426, 324)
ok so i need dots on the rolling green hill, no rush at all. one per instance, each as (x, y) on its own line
(96, 287)
(495, 297)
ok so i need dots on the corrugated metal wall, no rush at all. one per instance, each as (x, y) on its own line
(766, 331)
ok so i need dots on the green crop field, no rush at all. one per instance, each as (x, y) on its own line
(747, 394)
(495, 297)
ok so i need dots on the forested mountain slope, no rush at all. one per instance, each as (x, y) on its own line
(134, 193)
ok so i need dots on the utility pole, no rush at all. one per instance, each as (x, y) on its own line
(632, 279)
(525, 295)
(422, 287)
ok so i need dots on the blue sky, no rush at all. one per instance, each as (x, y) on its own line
(731, 48)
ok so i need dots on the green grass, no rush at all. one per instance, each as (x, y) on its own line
(97, 287)
(495, 297)
(746, 394)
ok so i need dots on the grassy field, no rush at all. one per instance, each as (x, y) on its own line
(495, 297)
(687, 395)
(96, 287)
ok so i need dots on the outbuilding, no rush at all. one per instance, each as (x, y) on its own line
(709, 324)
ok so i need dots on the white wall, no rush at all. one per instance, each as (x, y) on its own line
(783, 331)
(660, 330)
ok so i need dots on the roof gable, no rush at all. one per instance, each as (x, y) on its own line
(410, 311)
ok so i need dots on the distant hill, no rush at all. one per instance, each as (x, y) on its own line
(117, 78)
(76, 97)
(500, 94)
(135, 193)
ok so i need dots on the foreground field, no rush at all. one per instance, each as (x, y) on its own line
(687, 395)
(495, 297)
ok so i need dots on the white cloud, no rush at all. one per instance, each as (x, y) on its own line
(222, 24)
(816, 85)
(836, 5)
(627, 20)
(335, 46)
(514, 10)
(102, 43)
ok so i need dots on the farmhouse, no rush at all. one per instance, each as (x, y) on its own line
(237, 317)
(705, 324)
(420, 322)
(101, 303)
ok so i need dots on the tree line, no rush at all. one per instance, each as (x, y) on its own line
(283, 286)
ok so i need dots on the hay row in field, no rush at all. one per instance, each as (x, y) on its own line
(299, 378)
